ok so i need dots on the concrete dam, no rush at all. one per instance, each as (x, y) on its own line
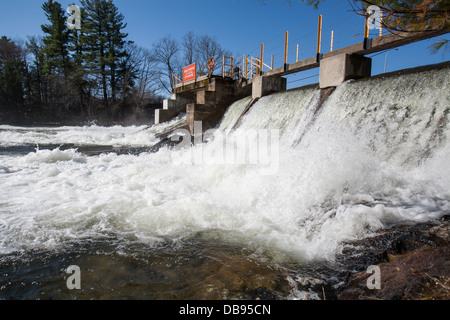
(205, 98)
(372, 155)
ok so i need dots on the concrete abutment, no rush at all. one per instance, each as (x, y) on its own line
(337, 69)
(207, 102)
(263, 85)
(173, 107)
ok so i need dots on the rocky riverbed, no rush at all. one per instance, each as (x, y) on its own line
(414, 265)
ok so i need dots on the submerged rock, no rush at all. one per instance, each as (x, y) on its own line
(415, 266)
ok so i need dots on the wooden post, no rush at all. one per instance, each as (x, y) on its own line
(319, 36)
(246, 67)
(366, 27)
(173, 80)
(257, 66)
(381, 23)
(366, 33)
(223, 66)
(242, 69)
(232, 67)
(262, 57)
(286, 40)
(332, 39)
(297, 53)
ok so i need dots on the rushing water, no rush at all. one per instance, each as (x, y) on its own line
(146, 225)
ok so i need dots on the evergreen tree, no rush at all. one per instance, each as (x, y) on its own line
(71, 70)
(116, 49)
(56, 40)
(79, 76)
(36, 71)
(94, 41)
(57, 60)
(104, 45)
(12, 79)
(410, 15)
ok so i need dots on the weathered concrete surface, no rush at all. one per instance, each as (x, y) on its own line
(295, 67)
(163, 115)
(202, 82)
(337, 69)
(263, 85)
(206, 97)
(172, 107)
(211, 102)
(388, 41)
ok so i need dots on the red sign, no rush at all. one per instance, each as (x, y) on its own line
(189, 72)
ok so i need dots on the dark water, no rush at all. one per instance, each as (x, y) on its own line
(192, 269)
(111, 270)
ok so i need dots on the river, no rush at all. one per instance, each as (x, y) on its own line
(277, 224)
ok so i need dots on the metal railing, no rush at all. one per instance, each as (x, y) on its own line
(253, 66)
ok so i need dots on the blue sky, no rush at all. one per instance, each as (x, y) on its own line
(239, 25)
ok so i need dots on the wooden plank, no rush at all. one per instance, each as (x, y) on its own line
(262, 56)
(332, 40)
(286, 41)
(293, 68)
(381, 23)
(391, 40)
(319, 36)
(366, 27)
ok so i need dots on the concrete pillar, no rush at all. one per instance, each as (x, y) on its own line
(172, 107)
(206, 97)
(207, 104)
(337, 69)
(262, 86)
(209, 115)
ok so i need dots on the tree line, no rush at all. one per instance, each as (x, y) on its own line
(70, 76)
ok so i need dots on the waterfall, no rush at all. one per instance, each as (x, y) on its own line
(372, 155)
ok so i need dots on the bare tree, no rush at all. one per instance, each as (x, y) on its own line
(147, 73)
(200, 49)
(170, 56)
(208, 47)
(165, 53)
(189, 48)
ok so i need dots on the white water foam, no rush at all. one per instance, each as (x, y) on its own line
(334, 186)
(117, 136)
